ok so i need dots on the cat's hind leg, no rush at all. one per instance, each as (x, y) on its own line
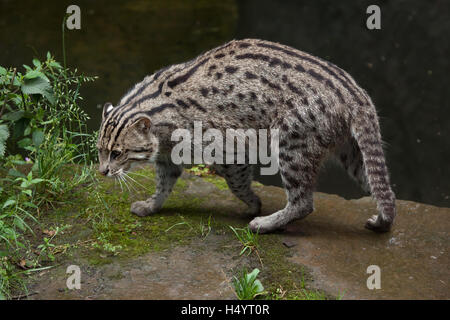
(167, 175)
(299, 162)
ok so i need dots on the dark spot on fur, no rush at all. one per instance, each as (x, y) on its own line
(250, 75)
(204, 91)
(231, 69)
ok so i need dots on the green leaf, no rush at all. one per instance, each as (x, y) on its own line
(13, 116)
(27, 131)
(25, 184)
(25, 142)
(8, 203)
(19, 223)
(35, 166)
(252, 275)
(4, 135)
(55, 64)
(37, 180)
(15, 173)
(36, 63)
(27, 67)
(38, 137)
(2, 149)
(3, 71)
(17, 99)
(39, 85)
(30, 148)
(31, 205)
(258, 287)
(34, 74)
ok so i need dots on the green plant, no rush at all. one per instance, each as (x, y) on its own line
(205, 228)
(247, 238)
(43, 137)
(103, 243)
(9, 278)
(202, 229)
(312, 295)
(4, 134)
(247, 287)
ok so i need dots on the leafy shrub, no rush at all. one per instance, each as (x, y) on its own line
(42, 134)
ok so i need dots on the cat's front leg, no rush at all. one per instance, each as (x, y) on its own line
(167, 174)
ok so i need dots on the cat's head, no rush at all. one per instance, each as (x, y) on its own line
(124, 139)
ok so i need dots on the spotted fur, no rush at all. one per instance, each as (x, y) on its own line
(318, 108)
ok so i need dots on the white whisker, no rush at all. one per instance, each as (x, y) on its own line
(130, 182)
(121, 188)
(133, 180)
(125, 182)
(138, 174)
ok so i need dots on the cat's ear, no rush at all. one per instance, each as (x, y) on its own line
(142, 125)
(107, 109)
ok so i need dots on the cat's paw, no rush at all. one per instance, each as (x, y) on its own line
(258, 225)
(377, 224)
(144, 208)
(264, 225)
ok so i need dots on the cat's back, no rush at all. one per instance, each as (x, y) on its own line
(248, 82)
(262, 71)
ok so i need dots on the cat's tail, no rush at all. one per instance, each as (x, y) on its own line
(366, 132)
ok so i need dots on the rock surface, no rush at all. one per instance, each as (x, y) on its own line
(331, 242)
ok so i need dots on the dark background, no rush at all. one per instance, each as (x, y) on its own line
(404, 66)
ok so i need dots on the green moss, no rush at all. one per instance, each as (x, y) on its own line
(219, 182)
(257, 184)
(102, 218)
(281, 278)
(120, 234)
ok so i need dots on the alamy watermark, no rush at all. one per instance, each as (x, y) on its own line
(374, 20)
(74, 280)
(210, 147)
(374, 280)
(73, 21)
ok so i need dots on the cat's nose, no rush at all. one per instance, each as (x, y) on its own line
(104, 171)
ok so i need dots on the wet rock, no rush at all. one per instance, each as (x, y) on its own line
(289, 243)
(413, 258)
(331, 242)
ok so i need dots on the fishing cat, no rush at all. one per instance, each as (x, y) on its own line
(317, 107)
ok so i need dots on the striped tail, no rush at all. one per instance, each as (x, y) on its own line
(368, 137)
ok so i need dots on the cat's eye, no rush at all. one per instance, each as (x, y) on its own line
(114, 154)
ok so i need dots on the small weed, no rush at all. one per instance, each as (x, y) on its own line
(247, 287)
(203, 229)
(248, 239)
(312, 295)
(103, 243)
